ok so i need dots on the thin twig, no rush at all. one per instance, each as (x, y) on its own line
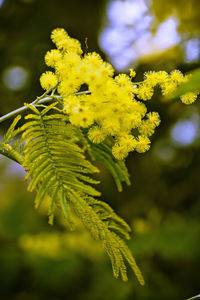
(38, 100)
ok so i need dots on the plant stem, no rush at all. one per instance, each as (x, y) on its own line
(8, 151)
(39, 100)
(23, 108)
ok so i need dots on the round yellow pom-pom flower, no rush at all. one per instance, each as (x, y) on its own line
(96, 135)
(53, 57)
(145, 92)
(119, 151)
(188, 98)
(143, 144)
(58, 35)
(151, 78)
(177, 76)
(128, 141)
(48, 80)
(154, 118)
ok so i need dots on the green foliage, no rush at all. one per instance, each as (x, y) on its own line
(55, 162)
(192, 85)
(10, 147)
(187, 12)
(103, 153)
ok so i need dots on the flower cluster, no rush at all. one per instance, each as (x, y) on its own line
(111, 108)
(168, 84)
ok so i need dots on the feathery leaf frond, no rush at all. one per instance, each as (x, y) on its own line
(95, 216)
(58, 168)
(102, 152)
(53, 159)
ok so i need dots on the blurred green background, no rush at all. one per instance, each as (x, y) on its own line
(162, 206)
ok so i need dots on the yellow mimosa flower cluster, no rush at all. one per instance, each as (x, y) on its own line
(111, 107)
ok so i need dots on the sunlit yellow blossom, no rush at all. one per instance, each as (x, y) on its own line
(151, 78)
(162, 77)
(111, 89)
(111, 109)
(82, 118)
(132, 73)
(134, 119)
(96, 135)
(93, 59)
(123, 79)
(48, 80)
(71, 60)
(92, 76)
(139, 107)
(83, 68)
(58, 34)
(177, 76)
(168, 87)
(53, 57)
(74, 46)
(128, 141)
(68, 86)
(143, 144)
(154, 118)
(96, 86)
(119, 152)
(61, 70)
(188, 98)
(71, 104)
(145, 92)
(146, 128)
(110, 126)
(106, 69)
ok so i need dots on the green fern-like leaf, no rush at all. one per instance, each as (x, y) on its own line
(54, 161)
(102, 152)
(57, 167)
(11, 145)
(103, 223)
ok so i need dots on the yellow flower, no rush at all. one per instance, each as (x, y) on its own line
(96, 135)
(145, 92)
(143, 144)
(168, 87)
(82, 118)
(162, 77)
(58, 34)
(128, 141)
(154, 118)
(68, 86)
(48, 80)
(139, 107)
(188, 98)
(119, 152)
(111, 108)
(132, 73)
(146, 128)
(106, 70)
(53, 57)
(71, 60)
(93, 59)
(177, 76)
(151, 78)
(110, 126)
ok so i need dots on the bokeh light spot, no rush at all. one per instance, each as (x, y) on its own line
(185, 132)
(192, 49)
(1, 2)
(15, 77)
(167, 35)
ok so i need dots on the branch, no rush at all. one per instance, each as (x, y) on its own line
(8, 151)
(38, 100)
